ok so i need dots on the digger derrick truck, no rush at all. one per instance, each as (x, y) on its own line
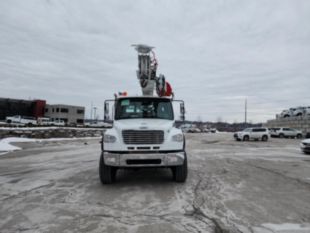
(143, 133)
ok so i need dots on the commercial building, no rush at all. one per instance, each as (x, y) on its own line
(11, 107)
(296, 122)
(68, 113)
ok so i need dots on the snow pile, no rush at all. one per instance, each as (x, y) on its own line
(5, 145)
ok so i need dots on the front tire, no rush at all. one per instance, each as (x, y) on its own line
(107, 173)
(246, 138)
(265, 138)
(180, 172)
(299, 136)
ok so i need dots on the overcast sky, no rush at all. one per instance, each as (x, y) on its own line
(214, 53)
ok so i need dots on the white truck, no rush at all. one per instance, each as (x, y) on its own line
(21, 120)
(143, 132)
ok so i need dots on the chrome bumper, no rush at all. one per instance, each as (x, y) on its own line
(144, 160)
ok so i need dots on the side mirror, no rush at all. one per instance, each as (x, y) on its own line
(181, 113)
(108, 111)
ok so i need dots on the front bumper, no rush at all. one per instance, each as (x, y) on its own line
(144, 159)
(305, 148)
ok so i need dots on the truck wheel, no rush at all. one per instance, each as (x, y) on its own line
(265, 138)
(107, 173)
(180, 172)
(246, 138)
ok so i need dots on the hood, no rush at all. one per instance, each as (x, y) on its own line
(144, 124)
(306, 140)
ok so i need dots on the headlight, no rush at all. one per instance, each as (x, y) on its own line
(109, 138)
(177, 137)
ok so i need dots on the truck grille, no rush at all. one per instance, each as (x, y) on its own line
(143, 136)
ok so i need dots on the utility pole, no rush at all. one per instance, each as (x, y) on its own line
(245, 112)
(91, 112)
(95, 117)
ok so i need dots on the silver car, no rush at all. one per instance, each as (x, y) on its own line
(305, 146)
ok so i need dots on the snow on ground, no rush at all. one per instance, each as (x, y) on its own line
(45, 128)
(283, 228)
(5, 144)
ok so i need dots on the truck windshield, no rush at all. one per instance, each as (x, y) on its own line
(132, 108)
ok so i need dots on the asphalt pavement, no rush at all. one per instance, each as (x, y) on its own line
(259, 187)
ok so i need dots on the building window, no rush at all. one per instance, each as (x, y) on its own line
(80, 121)
(64, 110)
(53, 110)
(80, 111)
(46, 110)
(64, 119)
(57, 109)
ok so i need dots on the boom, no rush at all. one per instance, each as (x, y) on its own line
(146, 73)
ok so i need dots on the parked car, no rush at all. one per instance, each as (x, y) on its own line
(44, 121)
(50, 122)
(287, 133)
(252, 134)
(213, 130)
(57, 123)
(307, 111)
(305, 146)
(273, 132)
(288, 112)
(285, 113)
(194, 130)
(299, 111)
(23, 120)
(206, 130)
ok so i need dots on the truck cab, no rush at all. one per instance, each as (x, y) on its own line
(143, 135)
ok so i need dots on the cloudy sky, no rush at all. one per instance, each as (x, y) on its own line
(214, 53)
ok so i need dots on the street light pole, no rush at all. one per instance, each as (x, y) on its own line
(245, 113)
(91, 112)
(95, 108)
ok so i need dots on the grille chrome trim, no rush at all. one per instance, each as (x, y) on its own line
(146, 137)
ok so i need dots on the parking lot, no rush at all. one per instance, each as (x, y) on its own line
(232, 186)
